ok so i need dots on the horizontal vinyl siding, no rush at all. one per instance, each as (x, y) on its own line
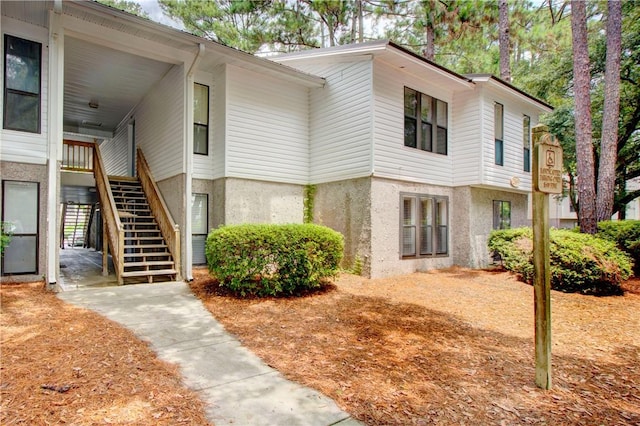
(114, 152)
(392, 159)
(25, 147)
(267, 133)
(160, 125)
(203, 164)
(341, 122)
(500, 176)
(218, 122)
(466, 131)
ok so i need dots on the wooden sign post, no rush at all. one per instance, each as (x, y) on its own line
(547, 179)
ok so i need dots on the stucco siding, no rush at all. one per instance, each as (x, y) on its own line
(267, 134)
(472, 231)
(391, 158)
(345, 206)
(31, 173)
(385, 228)
(25, 147)
(252, 201)
(160, 125)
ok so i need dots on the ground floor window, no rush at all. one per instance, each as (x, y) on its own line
(20, 218)
(501, 214)
(424, 225)
(199, 227)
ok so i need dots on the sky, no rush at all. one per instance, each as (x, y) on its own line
(155, 13)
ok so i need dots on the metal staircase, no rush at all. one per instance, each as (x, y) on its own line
(146, 254)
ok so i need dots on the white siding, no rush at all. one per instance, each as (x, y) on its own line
(160, 125)
(24, 147)
(267, 128)
(203, 164)
(341, 122)
(514, 111)
(392, 159)
(466, 131)
(218, 122)
(114, 152)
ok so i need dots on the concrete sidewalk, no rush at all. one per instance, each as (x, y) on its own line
(237, 386)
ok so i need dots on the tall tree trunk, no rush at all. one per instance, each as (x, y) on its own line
(360, 22)
(429, 51)
(503, 38)
(582, 99)
(609, 142)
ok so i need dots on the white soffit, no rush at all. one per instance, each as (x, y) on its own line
(112, 81)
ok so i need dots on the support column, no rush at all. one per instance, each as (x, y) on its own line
(54, 120)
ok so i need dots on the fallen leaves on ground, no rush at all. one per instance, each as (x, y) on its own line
(446, 347)
(61, 364)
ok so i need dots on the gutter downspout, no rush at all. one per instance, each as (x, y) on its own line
(55, 79)
(188, 156)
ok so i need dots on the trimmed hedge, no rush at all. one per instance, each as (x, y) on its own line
(273, 260)
(579, 262)
(626, 234)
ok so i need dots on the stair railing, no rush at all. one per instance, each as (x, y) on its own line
(113, 228)
(169, 229)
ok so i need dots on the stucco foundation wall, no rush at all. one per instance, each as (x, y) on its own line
(385, 225)
(470, 238)
(345, 207)
(31, 173)
(218, 206)
(253, 201)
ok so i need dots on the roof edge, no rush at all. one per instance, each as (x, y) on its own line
(491, 77)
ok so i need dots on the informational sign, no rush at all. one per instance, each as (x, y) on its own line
(549, 167)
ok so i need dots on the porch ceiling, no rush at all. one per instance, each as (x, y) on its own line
(113, 80)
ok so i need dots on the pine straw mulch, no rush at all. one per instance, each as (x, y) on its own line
(62, 364)
(446, 347)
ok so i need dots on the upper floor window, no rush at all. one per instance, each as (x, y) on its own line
(526, 142)
(22, 63)
(425, 122)
(200, 119)
(425, 230)
(498, 126)
(501, 214)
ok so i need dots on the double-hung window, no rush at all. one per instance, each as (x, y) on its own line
(22, 63)
(498, 126)
(501, 214)
(425, 122)
(424, 228)
(200, 119)
(526, 142)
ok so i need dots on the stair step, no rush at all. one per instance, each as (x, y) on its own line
(145, 246)
(149, 254)
(146, 264)
(151, 272)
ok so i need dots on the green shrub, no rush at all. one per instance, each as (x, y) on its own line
(5, 236)
(626, 234)
(272, 260)
(579, 262)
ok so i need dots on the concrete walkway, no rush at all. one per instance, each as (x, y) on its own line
(237, 386)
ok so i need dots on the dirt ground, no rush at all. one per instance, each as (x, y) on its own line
(64, 365)
(444, 347)
(447, 347)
